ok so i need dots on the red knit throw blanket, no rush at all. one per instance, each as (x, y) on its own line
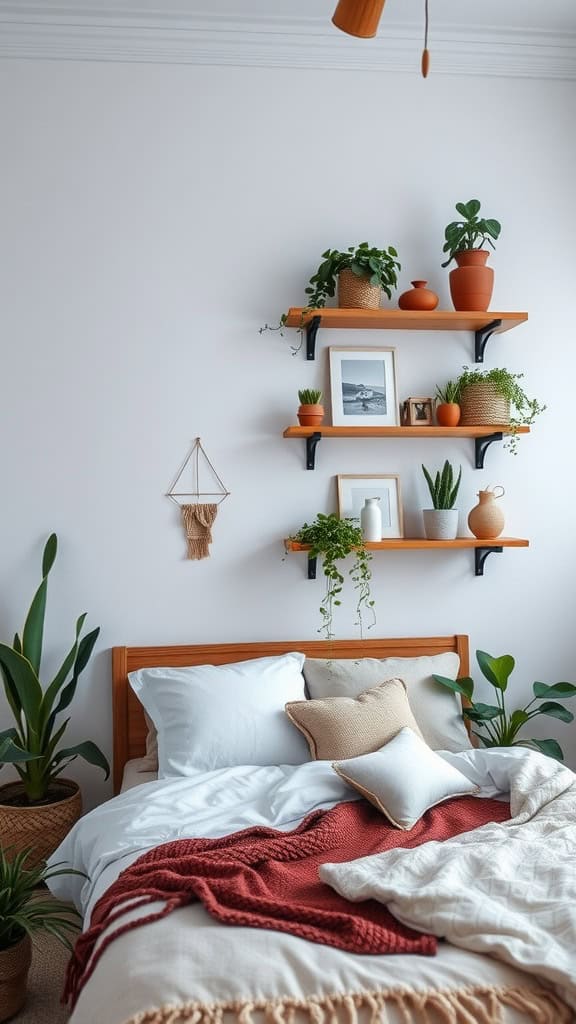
(262, 878)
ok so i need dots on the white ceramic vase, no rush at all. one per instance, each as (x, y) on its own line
(440, 523)
(371, 519)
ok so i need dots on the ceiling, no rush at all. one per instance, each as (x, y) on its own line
(518, 38)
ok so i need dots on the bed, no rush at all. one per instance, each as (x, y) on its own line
(188, 967)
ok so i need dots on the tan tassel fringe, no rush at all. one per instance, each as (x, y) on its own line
(197, 521)
(479, 1004)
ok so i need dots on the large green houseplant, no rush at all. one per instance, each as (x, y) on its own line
(333, 539)
(471, 282)
(500, 727)
(24, 910)
(33, 744)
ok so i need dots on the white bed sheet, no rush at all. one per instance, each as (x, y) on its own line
(188, 955)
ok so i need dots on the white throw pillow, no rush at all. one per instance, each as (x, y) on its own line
(437, 710)
(404, 779)
(218, 716)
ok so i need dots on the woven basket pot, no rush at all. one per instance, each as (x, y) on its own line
(14, 967)
(481, 404)
(41, 827)
(356, 292)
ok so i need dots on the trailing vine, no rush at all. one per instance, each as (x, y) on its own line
(523, 410)
(333, 539)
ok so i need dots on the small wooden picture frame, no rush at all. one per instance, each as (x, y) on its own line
(418, 411)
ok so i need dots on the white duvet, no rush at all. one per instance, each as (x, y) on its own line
(508, 889)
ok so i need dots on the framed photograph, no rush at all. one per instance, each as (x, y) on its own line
(363, 387)
(353, 491)
(418, 412)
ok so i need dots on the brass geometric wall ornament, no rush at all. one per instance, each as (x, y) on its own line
(197, 516)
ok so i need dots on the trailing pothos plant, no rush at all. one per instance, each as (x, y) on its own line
(523, 410)
(333, 539)
(500, 727)
(32, 744)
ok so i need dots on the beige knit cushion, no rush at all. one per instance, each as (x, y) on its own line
(337, 728)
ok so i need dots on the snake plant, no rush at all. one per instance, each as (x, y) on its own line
(443, 489)
(32, 744)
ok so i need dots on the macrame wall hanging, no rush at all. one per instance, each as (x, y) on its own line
(197, 516)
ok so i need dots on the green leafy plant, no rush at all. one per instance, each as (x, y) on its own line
(32, 745)
(333, 539)
(443, 489)
(380, 266)
(309, 396)
(24, 909)
(523, 410)
(500, 727)
(448, 393)
(472, 232)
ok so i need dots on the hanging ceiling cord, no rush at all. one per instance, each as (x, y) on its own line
(425, 51)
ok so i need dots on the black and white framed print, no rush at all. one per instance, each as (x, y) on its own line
(363, 387)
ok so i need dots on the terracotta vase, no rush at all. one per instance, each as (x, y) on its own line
(418, 297)
(471, 282)
(14, 966)
(448, 414)
(39, 826)
(310, 415)
(356, 292)
(486, 519)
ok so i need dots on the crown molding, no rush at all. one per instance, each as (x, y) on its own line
(81, 31)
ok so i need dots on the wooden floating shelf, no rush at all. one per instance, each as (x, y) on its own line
(481, 548)
(484, 436)
(483, 325)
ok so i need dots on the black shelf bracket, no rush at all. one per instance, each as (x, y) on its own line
(480, 556)
(311, 445)
(312, 566)
(481, 338)
(311, 332)
(482, 444)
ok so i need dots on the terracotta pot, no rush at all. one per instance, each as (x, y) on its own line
(486, 520)
(356, 292)
(310, 415)
(14, 966)
(448, 414)
(358, 17)
(39, 826)
(418, 297)
(471, 282)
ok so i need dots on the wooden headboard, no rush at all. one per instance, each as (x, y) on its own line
(129, 723)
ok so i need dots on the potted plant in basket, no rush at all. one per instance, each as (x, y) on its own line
(501, 728)
(362, 273)
(39, 810)
(441, 521)
(333, 539)
(496, 397)
(471, 283)
(310, 413)
(24, 910)
(448, 404)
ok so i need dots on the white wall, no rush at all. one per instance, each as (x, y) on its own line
(153, 218)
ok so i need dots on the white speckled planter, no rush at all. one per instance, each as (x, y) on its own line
(440, 523)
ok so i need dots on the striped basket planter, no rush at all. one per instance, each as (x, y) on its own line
(482, 405)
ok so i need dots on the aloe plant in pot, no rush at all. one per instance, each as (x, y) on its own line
(310, 412)
(441, 521)
(39, 810)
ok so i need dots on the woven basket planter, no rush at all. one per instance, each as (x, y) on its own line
(14, 967)
(356, 292)
(481, 404)
(41, 827)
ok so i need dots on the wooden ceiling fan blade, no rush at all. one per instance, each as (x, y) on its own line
(358, 17)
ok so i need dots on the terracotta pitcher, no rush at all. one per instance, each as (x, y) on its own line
(486, 520)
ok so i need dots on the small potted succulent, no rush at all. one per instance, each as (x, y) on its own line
(499, 726)
(310, 413)
(496, 397)
(24, 910)
(362, 273)
(471, 282)
(441, 521)
(448, 404)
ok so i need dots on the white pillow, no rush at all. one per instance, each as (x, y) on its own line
(437, 710)
(404, 779)
(217, 716)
